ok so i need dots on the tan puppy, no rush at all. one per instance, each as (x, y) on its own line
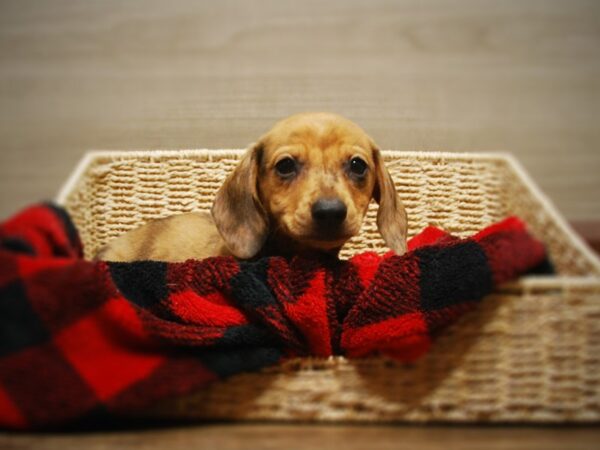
(303, 188)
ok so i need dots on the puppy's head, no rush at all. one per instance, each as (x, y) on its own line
(309, 181)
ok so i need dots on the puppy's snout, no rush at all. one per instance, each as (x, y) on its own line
(329, 213)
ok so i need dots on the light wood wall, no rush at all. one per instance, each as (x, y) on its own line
(461, 75)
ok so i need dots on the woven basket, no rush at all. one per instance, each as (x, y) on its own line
(531, 352)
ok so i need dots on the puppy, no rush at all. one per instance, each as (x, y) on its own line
(303, 188)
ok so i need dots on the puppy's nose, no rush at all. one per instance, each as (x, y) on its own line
(329, 212)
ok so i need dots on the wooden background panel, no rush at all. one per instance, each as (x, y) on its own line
(457, 75)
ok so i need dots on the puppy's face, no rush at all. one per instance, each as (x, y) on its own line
(316, 179)
(309, 180)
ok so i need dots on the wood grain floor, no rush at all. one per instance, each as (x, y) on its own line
(323, 437)
(453, 75)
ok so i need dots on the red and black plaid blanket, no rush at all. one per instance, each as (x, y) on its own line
(81, 341)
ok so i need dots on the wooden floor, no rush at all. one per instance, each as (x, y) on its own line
(454, 75)
(322, 437)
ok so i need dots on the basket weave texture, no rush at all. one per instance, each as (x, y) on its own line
(530, 353)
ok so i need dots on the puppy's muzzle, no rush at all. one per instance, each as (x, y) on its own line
(328, 215)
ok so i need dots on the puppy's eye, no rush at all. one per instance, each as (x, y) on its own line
(286, 167)
(358, 166)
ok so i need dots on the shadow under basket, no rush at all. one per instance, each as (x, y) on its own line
(529, 353)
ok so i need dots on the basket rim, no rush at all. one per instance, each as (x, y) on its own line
(500, 156)
(530, 283)
(95, 154)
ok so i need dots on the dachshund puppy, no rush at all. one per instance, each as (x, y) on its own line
(303, 188)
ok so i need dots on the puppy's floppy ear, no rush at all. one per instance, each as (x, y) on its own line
(237, 211)
(391, 216)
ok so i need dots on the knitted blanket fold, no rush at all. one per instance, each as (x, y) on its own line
(81, 341)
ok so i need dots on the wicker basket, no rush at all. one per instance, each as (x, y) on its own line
(531, 352)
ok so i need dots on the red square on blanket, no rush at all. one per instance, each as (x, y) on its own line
(11, 416)
(106, 348)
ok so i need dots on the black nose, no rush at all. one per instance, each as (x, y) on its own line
(328, 212)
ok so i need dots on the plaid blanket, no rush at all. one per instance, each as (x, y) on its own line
(81, 341)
